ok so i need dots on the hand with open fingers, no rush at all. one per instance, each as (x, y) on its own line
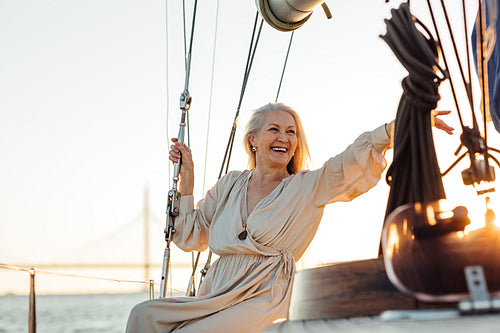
(440, 124)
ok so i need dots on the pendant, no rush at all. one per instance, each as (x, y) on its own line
(242, 235)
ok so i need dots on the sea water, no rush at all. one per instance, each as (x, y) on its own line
(101, 313)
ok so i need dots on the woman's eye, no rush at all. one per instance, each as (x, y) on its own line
(273, 129)
(291, 131)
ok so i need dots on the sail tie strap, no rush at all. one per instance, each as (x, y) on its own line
(418, 96)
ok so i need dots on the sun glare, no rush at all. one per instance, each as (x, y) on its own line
(392, 241)
(481, 211)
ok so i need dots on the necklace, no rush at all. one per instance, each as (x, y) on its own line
(243, 235)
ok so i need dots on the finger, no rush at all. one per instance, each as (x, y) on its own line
(174, 155)
(174, 150)
(183, 148)
(443, 126)
(441, 113)
(173, 159)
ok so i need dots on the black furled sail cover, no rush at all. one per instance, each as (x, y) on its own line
(414, 174)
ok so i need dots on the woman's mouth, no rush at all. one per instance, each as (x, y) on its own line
(279, 149)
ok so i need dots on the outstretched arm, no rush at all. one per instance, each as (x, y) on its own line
(436, 122)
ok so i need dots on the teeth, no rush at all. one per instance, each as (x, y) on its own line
(279, 149)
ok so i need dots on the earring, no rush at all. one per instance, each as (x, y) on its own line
(254, 149)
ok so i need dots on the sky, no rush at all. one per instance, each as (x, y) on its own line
(89, 95)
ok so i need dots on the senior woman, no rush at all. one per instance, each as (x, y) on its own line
(259, 222)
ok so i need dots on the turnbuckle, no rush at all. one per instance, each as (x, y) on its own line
(185, 100)
(172, 213)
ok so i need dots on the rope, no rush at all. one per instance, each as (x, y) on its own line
(88, 277)
(414, 174)
(284, 66)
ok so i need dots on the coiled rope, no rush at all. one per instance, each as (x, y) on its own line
(414, 174)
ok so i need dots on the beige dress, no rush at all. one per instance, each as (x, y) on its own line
(250, 285)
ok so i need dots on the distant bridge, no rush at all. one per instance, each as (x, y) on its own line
(145, 265)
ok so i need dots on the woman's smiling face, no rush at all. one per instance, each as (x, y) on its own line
(276, 141)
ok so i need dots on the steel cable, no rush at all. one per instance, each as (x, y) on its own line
(227, 155)
(251, 53)
(284, 66)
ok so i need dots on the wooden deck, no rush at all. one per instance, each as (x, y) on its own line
(466, 324)
(352, 289)
(358, 297)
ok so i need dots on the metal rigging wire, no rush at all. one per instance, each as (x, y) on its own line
(194, 262)
(481, 56)
(467, 48)
(167, 87)
(184, 30)
(284, 66)
(227, 155)
(191, 289)
(471, 137)
(173, 194)
(466, 81)
(446, 73)
(188, 56)
(251, 53)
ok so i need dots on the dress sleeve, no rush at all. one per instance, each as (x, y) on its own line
(352, 172)
(192, 224)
